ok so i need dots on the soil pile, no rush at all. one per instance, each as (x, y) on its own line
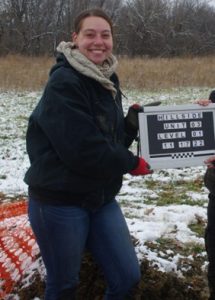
(154, 284)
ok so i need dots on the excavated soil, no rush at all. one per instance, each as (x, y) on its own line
(154, 284)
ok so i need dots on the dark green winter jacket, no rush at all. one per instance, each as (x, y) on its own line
(76, 141)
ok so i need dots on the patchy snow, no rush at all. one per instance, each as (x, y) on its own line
(147, 221)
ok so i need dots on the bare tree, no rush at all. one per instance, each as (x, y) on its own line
(142, 27)
(146, 21)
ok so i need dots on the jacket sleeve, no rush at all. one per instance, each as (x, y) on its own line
(130, 136)
(65, 117)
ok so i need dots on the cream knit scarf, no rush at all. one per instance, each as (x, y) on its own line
(80, 62)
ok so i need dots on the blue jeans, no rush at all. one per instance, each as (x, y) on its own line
(64, 232)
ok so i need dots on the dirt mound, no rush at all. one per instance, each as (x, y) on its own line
(154, 284)
(18, 250)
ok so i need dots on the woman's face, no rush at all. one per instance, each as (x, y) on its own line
(94, 40)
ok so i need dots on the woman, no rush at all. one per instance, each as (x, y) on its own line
(77, 141)
(209, 180)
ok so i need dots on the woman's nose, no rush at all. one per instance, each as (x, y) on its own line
(98, 40)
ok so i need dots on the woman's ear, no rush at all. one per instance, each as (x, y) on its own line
(74, 37)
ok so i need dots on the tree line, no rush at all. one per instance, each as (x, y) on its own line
(151, 28)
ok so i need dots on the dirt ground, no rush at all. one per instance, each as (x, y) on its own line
(154, 284)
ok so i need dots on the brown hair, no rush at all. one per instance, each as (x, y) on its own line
(95, 12)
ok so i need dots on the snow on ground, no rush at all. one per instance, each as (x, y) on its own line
(14, 112)
(147, 221)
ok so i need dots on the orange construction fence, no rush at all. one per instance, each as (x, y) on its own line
(18, 247)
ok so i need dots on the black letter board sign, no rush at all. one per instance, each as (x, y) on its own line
(177, 136)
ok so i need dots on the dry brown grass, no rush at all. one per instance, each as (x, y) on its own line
(24, 73)
(162, 73)
(30, 73)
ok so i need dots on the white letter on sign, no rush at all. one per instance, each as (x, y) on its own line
(198, 143)
(184, 144)
(180, 125)
(195, 124)
(197, 133)
(171, 135)
(168, 145)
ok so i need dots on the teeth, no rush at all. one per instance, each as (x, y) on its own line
(97, 51)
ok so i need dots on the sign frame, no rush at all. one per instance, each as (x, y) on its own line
(186, 120)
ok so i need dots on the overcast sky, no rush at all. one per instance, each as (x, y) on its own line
(212, 2)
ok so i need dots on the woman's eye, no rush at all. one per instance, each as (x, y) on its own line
(90, 35)
(106, 36)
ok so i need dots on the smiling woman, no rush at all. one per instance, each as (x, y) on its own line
(77, 142)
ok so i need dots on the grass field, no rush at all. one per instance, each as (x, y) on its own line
(30, 73)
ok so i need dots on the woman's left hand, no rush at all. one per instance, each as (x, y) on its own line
(203, 102)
